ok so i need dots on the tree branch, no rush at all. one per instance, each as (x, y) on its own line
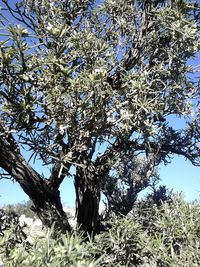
(16, 166)
(173, 143)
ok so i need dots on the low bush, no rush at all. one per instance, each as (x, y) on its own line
(11, 233)
(164, 235)
(66, 250)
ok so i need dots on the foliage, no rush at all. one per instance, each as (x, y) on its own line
(166, 235)
(46, 250)
(127, 178)
(88, 88)
(159, 195)
(11, 232)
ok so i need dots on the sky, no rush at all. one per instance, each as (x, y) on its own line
(180, 175)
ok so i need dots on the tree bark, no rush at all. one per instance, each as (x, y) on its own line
(49, 209)
(87, 201)
(45, 197)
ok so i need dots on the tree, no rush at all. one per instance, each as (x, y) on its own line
(20, 209)
(128, 178)
(88, 85)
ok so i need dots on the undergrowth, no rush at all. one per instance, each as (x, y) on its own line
(164, 235)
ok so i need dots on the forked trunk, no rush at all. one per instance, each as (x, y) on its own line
(45, 196)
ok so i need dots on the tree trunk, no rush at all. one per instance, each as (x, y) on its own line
(48, 207)
(87, 202)
(45, 196)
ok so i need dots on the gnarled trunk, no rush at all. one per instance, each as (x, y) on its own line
(49, 209)
(87, 202)
(45, 196)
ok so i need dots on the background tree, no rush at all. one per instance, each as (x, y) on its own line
(128, 177)
(90, 85)
(23, 208)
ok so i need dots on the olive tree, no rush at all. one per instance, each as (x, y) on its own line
(91, 85)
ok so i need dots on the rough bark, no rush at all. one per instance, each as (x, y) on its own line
(46, 199)
(87, 202)
(49, 209)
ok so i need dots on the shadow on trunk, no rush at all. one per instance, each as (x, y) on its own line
(87, 206)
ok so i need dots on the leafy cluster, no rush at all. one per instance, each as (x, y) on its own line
(98, 73)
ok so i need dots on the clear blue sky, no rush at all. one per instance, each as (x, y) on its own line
(180, 175)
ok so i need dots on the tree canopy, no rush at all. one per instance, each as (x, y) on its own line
(91, 84)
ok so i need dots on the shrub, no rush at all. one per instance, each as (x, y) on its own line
(164, 235)
(11, 232)
(46, 250)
